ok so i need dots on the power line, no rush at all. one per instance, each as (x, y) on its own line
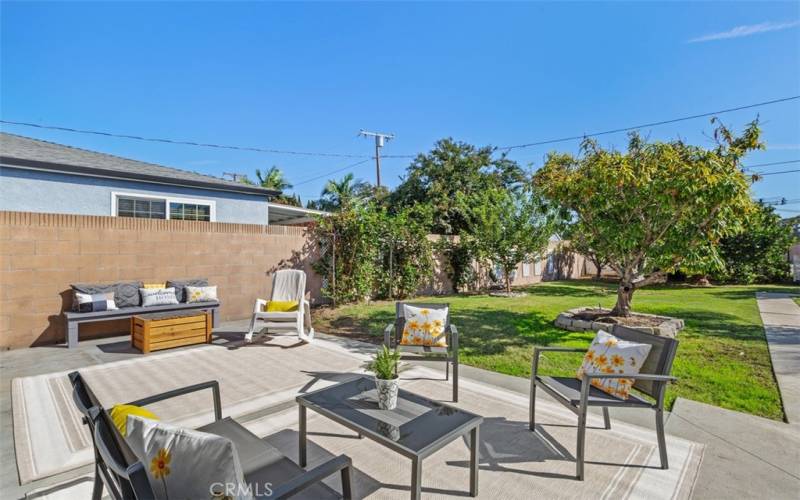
(652, 124)
(747, 167)
(186, 143)
(332, 172)
(762, 174)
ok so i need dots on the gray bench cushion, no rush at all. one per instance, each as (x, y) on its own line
(132, 311)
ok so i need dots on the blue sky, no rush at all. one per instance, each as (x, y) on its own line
(308, 76)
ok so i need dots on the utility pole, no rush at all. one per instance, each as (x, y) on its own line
(380, 140)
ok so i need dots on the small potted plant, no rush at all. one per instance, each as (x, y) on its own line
(384, 366)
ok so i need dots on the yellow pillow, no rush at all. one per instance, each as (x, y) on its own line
(281, 306)
(155, 285)
(119, 415)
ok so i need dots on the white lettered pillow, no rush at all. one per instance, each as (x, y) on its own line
(201, 293)
(158, 296)
(610, 355)
(424, 326)
(185, 463)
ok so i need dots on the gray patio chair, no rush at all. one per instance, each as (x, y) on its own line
(125, 478)
(578, 395)
(449, 354)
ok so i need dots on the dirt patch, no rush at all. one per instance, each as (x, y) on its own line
(604, 316)
(326, 319)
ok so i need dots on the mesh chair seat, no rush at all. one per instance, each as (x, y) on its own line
(569, 388)
(420, 349)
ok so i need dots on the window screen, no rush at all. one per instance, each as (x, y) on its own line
(189, 211)
(141, 208)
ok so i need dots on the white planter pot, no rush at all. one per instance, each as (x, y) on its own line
(387, 393)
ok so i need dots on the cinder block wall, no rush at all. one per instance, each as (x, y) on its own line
(41, 254)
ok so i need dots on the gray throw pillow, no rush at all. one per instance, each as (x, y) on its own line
(126, 293)
(180, 286)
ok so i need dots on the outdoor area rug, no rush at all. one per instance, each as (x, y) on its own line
(514, 462)
(49, 436)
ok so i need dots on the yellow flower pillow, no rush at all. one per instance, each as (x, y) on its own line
(119, 415)
(185, 463)
(281, 306)
(424, 327)
(200, 293)
(610, 355)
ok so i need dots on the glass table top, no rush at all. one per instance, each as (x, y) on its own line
(416, 424)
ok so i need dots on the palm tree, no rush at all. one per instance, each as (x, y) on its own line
(273, 179)
(339, 194)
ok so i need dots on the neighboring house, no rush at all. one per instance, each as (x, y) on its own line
(41, 176)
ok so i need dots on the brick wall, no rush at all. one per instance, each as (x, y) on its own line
(41, 254)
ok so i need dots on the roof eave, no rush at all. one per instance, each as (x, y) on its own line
(107, 173)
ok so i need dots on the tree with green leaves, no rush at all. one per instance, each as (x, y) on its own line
(650, 209)
(451, 168)
(506, 227)
(759, 253)
(367, 252)
(341, 194)
(273, 179)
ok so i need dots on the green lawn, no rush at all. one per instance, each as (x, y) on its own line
(722, 358)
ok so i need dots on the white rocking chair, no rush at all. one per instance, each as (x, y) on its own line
(287, 285)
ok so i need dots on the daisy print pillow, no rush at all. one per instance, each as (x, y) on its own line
(424, 326)
(610, 355)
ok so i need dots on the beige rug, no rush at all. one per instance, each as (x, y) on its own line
(514, 462)
(49, 436)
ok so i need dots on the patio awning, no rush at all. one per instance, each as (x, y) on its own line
(286, 215)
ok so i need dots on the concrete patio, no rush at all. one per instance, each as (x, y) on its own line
(745, 456)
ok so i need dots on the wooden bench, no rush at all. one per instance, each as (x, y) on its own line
(74, 319)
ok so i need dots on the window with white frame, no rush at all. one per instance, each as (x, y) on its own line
(157, 207)
(526, 269)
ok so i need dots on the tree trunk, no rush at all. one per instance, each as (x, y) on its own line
(507, 272)
(624, 298)
(598, 266)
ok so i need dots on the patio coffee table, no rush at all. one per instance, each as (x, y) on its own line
(417, 428)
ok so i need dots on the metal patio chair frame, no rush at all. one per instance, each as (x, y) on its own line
(449, 354)
(579, 395)
(125, 478)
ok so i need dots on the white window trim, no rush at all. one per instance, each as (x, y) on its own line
(168, 199)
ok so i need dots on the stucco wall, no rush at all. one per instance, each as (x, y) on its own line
(52, 192)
